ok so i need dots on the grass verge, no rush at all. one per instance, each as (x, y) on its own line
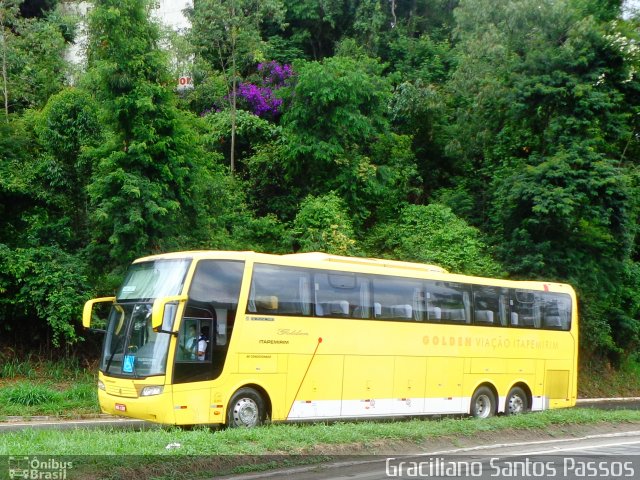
(600, 379)
(174, 453)
(43, 387)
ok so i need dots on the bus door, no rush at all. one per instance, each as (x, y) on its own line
(204, 337)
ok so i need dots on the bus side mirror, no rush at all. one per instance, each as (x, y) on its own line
(158, 311)
(88, 308)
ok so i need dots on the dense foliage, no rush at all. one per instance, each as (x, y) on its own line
(492, 138)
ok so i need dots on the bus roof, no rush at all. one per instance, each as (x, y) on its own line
(353, 264)
(308, 257)
(377, 262)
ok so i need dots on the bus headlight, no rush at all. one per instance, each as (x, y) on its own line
(101, 385)
(152, 390)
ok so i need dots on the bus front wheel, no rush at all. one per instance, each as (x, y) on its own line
(517, 402)
(483, 403)
(246, 409)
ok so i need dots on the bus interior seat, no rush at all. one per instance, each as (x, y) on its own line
(377, 309)
(401, 311)
(514, 318)
(434, 314)
(484, 316)
(552, 321)
(336, 307)
(267, 303)
(340, 307)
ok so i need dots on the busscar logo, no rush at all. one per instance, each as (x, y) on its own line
(38, 468)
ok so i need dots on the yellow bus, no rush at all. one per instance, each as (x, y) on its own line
(238, 338)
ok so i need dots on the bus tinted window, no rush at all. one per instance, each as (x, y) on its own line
(448, 302)
(525, 309)
(278, 290)
(490, 305)
(214, 294)
(398, 299)
(556, 311)
(217, 282)
(342, 294)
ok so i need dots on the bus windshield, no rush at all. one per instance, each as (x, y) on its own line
(149, 280)
(132, 347)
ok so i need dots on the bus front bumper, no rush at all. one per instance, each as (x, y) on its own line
(118, 399)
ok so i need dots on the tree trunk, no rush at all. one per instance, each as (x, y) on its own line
(3, 46)
(233, 111)
(234, 85)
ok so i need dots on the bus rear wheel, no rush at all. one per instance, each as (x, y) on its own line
(517, 402)
(246, 409)
(483, 403)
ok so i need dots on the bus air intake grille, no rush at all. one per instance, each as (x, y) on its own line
(122, 391)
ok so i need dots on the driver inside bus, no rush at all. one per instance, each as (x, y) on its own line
(190, 346)
(202, 346)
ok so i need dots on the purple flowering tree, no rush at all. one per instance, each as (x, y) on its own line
(261, 99)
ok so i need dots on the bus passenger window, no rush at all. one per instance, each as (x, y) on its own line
(489, 305)
(398, 298)
(341, 295)
(556, 311)
(450, 301)
(278, 290)
(525, 309)
(216, 289)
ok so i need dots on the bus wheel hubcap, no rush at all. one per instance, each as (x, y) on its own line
(516, 404)
(246, 412)
(483, 406)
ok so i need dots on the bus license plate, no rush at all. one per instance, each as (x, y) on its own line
(121, 407)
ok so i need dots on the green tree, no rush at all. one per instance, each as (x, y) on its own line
(227, 34)
(316, 27)
(8, 12)
(43, 277)
(544, 96)
(418, 111)
(338, 137)
(336, 106)
(17, 192)
(251, 132)
(147, 186)
(322, 224)
(66, 130)
(32, 58)
(433, 234)
(41, 286)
